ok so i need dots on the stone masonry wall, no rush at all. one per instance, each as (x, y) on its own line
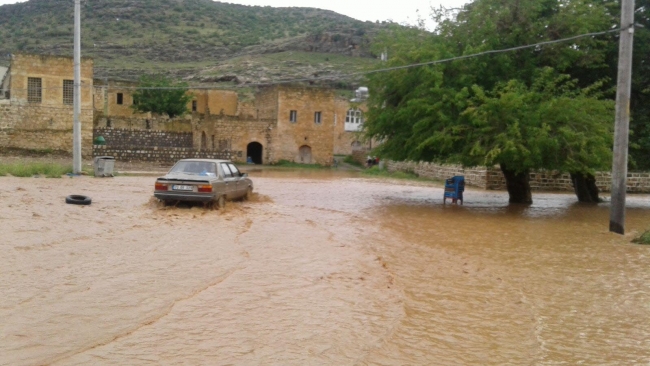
(156, 123)
(34, 127)
(155, 154)
(305, 140)
(637, 182)
(125, 138)
(45, 124)
(492, 178)
(476, 177)
(234, 134)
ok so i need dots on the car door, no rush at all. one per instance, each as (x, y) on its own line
(230, 182)
(241, 181)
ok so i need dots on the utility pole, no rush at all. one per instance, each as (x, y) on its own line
(622, 127)
(76, 128)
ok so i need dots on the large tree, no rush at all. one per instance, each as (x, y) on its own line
(160, 95)
(518, 110)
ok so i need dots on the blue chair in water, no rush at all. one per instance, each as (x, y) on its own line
(454, 188)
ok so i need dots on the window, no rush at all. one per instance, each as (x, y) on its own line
(226, 170)
(353, 120)
(194, 106)
(34, 90)
(318, 118)
(234, 170)
(293, 116)
(120, 98)
(68, 92)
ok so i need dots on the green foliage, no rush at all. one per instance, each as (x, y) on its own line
(350, 160)
(643, 239)
(519, 109)
(172, 102)
(34, 169)
(291, 164)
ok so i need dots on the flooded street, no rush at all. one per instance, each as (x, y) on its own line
(321, 268)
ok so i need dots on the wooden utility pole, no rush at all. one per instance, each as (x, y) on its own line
(622, 128)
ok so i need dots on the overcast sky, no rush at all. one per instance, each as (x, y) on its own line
(400, 11)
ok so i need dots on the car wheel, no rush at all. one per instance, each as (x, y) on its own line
(221, 202)
(249, 194)
(77, 199)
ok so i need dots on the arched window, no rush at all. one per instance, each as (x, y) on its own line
(354, 120)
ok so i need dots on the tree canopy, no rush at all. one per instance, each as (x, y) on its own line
(160, 95)
(522, 110)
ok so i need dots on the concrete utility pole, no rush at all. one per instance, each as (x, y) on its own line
(622, 128)
(76, 129)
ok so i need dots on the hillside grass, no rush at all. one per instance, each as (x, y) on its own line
(23, 170)
(131, 36)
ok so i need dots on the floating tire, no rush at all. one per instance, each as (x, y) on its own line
(77, 199)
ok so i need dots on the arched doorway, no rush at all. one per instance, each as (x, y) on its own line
(304, 154)
(254, 151)
(204, 141)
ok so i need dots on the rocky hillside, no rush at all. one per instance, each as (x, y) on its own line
(200, 40)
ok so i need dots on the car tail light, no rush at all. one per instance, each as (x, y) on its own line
(161, 187)
(205, 188)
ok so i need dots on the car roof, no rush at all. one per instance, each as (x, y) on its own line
(208, 160)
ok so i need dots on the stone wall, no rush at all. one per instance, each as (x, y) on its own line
(234, 134)
(34, 127)
(52, 71)
(492, 178)
(46, 124)
(125, 138)
(305, 140)
(159, 155)
(476, 177)
(345, 142)
(637, 182)
(157, 123)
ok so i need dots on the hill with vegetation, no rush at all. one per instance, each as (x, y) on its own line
(200, 40)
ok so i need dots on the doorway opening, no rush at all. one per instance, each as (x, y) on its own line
(305, 154)
(254, 151)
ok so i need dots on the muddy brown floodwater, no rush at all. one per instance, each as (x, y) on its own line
(321, 268)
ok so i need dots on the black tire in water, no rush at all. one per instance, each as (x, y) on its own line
(77, 199)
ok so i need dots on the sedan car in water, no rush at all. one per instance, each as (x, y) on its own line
(209, 181)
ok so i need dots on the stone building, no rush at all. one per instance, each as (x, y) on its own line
(36, 103)
(296, 123)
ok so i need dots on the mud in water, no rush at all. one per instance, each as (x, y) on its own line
(319, 268)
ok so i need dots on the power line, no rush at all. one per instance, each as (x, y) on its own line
(343, 77)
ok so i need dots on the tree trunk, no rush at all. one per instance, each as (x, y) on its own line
(518, 186)
(585, 188)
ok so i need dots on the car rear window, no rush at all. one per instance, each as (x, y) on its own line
(195, 167)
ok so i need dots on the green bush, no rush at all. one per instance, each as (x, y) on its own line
(643, 239)
(291, 164)
(350, 160)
